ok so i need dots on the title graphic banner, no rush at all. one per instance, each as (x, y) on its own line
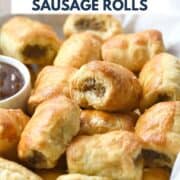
(89, 6)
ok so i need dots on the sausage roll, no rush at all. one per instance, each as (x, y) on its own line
(103, 26)
(105, 86)
(79, 49)
(13, 171)
(159, 130)
(160, 80)
(154, 173)
(97, 122)
(29, 41)
(46, 136)
(51, 81)
(80, 177)
(115, 154)
(133, 50)
(12, 123)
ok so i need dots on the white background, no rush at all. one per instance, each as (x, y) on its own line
(154, 6)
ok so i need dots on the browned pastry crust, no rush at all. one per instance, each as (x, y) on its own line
(160, 80)
(13, 171)
(115, 154)
(51, 128)
(156, 173)
(29, 41)
(97, 122)
(79, 49)
(51, 81)
(12, 123)
(103, 26)
(81, 177)
(133, 50)
(159, 130)
(105, 86)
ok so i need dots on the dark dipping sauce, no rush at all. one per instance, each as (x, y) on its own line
(11, 81)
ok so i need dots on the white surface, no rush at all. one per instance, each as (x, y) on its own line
(176, 170)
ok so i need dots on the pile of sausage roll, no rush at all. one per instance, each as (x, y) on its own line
(105, 105)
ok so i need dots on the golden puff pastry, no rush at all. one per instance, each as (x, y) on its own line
(115, 154)
(81, 177)
(156, 173)
(103, 26)
(46, 136)
(159, 130)
(97, 122)
(51, 81)
(160, 80)
(133, 50)
(29, 41)
(12, 171)
(12, 123)
(79, 49)
(105, 86)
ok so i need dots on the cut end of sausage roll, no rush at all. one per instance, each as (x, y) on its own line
(38, 53)
(37, 159)
(95, 86)
(33, 157)
(159, 131)
(31, 42)
(156, 159)
(160, 80)
(84, 24)
(91, 91)
(114, 154)
(104, 26)
(104, 86)
(34, 51)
